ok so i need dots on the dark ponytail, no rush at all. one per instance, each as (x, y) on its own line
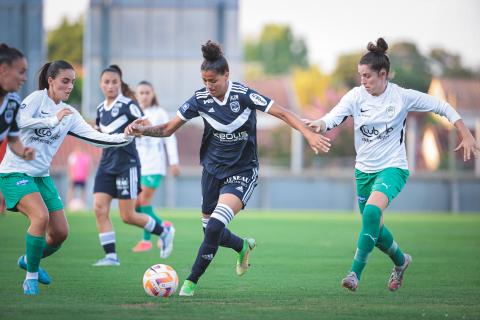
(51, 70)
(377, 57)
(213, 58)
(126, 91)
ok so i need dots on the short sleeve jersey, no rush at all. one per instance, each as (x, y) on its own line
(229, 142)
(114, 119)
(8, 114)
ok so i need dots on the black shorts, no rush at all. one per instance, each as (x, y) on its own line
(80, 184)
(124, 185)
(240, 184)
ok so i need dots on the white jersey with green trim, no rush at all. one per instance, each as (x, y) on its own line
(379, 123)
(153, 151)
(41, 130)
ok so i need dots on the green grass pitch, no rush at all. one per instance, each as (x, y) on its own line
(296, 271)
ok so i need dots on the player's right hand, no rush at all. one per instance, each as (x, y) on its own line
(62, 113)
(135, 128)
(28, 153)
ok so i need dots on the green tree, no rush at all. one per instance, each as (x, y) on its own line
(346, 71)
(447, 64)
(277, 50)
(409, 68)
(65, 42)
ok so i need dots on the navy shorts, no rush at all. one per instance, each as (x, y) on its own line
(240, 184)
(124, 185)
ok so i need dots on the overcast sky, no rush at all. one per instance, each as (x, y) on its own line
(334, 27)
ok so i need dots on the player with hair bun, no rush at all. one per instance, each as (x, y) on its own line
(379, 109)
(228, 154)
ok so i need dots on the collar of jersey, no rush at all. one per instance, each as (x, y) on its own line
(225, 98)
(108, 108)
(50, 100)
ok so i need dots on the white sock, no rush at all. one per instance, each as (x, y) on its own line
(150, 225)
(32, 275)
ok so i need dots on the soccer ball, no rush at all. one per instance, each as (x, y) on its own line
(160, 280)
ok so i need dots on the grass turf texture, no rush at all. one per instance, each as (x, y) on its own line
(296, 271)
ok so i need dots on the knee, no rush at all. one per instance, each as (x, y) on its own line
(40, 220)
(100, 209)
(59, 237)
(371, 214)
(127, 218)
(213, 231)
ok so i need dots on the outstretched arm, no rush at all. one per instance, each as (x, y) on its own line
(139, 128)
(467, 142)
(316, 141)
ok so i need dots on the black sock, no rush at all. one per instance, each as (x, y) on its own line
(208, 249)
(158, 229)
(109, 247)
(230, 240)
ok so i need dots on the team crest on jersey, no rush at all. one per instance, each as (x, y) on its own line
(185, 107)
(391, 111)
(258, 99)
(115, 111)
(9, 116)
(235, 106)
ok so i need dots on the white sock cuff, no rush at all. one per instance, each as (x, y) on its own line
(223, 213)
(32, 275)
(204, 222)
(107, 237)
(150, 224)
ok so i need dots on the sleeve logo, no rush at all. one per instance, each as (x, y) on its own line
(184, 107)
(258, 99)
(135, 111)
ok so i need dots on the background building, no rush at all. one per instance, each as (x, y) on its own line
(21, 27)
(158, 41)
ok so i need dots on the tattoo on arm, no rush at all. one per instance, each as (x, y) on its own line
(155, 131)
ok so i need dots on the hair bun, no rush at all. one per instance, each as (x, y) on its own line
(211, 51)
(381, 47)
(4, 46)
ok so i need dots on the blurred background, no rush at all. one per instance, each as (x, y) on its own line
(303, 54)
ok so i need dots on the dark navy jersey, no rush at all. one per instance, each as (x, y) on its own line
(114, 119)
(8, 114)
(229, 143)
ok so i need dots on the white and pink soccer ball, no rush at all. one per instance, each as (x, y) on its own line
(160, 280)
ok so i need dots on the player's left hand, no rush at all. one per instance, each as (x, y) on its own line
(175, 170)
(316, 125)
(469, 146)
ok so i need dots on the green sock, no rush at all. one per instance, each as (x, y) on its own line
(35, 247)
(146, 235)
(149, 211)
(390, 247)
(368, 237)
(49, 250)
